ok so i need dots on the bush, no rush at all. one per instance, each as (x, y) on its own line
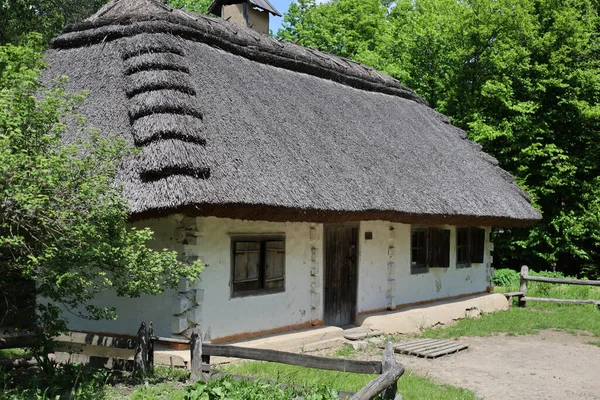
(505, 277)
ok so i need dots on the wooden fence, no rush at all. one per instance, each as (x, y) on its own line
(119, 352)
(525, 277)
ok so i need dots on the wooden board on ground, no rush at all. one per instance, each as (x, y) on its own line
(429, 348)
(360, 332)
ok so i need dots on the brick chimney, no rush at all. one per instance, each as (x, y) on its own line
(253, 14)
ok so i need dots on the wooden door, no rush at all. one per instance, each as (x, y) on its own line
(341, 273)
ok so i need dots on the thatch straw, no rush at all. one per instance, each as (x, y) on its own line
(286, 134)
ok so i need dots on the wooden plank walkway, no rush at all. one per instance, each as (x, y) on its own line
(429, 348)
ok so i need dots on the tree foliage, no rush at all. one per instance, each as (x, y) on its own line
(521, 76)
(19, 18)
(63, 221)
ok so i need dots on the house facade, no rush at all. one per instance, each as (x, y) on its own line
(313, 188)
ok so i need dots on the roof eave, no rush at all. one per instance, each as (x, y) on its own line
(258, 212)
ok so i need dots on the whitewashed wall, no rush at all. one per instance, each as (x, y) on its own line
(228, 316)
(384, 278)
(384, 270)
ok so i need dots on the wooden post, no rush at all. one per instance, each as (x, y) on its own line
(388, 363)
(523, 288)
(196, 355)
(206, 357)
(151, 348)
(140, 358)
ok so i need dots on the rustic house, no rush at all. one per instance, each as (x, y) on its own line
(315, 189)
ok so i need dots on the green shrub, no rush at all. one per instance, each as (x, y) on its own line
(505, 277)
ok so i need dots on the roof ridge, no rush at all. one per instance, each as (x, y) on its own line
(112, 25)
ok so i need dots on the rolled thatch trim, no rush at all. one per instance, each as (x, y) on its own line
(173, 157)
(232, 38)
(259, 212)
(156, 61)
(148, 81)
(144, 44)
(163, 101)
(167, 126)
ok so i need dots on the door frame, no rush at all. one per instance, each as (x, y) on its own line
(356, 274)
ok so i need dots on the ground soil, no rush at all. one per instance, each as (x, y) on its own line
(549, 365)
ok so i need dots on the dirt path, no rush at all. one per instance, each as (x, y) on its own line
(550, 365)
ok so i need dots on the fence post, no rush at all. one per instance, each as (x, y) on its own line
(206, 357)
(140, 357)
(151, 348)
(523, 288)
(388, 363)
(196, 354)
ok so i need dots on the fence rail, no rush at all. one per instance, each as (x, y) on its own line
(525, 277)
(141, 349)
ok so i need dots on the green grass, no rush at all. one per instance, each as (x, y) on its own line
(535, 317)
(410, 385)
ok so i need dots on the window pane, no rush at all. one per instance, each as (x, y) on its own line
(418, 247)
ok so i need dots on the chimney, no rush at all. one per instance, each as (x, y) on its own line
(253, 14)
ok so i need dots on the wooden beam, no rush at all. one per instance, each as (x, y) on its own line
(562, 281)
(566, 301)
(303, 360)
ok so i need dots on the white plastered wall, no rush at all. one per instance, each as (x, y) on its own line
(300, 303)
(385, 280)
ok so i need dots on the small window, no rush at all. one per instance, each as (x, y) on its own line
(430, 248)
(258, 265)
(470, 246)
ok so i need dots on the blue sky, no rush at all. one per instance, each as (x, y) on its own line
(281, 6)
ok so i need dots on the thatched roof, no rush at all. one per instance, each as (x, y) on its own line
(234, 123)
(215, 7)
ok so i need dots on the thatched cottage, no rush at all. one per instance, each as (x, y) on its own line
(315, 189)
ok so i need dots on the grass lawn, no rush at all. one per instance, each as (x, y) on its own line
(535, 317)
(410, 385)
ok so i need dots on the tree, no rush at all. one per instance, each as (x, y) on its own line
(198, 6)
(63, 221)
(19, 18)
(348, 28)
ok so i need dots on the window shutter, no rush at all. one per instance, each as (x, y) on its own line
(274, 264)
(477, 236)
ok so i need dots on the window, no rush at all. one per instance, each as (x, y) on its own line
(430, 248)
(258, 264)
(470, 246)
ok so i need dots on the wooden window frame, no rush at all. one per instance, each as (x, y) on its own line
(437, 255)
(470, 247)
(262, 239)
